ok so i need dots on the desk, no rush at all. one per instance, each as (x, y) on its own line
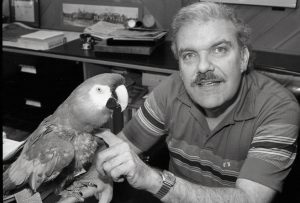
(160, 61)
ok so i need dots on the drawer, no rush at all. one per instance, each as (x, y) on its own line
(47, 89)
(42, 68)
(34, 86)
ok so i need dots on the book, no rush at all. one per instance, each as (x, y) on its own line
(42, 40)
(143, 50)
(127, 49)
(134, 42)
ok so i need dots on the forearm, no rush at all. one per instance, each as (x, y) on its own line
(184, 191)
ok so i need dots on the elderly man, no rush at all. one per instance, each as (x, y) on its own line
(231, 132)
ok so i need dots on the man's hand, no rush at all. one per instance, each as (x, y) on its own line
(119, 161)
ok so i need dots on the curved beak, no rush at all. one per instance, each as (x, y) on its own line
(122, 95)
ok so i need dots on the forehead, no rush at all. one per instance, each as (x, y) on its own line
(205, 34)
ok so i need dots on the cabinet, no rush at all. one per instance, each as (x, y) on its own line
(34, 86)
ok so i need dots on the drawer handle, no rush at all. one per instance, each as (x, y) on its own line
(28, 69)
(34, 103)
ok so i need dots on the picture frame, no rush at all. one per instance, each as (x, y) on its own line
(77, 15)
(25, 11)
(272, 3)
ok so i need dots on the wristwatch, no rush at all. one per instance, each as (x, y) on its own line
(169, 181)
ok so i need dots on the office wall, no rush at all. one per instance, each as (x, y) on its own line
(275, 30)
(162, 10)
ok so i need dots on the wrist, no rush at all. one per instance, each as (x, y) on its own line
(154, 180)
(168, 182)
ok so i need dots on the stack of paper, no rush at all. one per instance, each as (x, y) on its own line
(105, 30)
(119, 39)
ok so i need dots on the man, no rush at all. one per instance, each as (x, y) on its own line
(231, 131)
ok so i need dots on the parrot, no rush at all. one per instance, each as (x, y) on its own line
(64, 143)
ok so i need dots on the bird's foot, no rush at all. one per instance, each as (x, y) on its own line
(75, 190)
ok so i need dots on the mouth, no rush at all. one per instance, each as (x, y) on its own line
(207, 83)
(112, 104)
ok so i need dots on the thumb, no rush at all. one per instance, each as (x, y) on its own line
(110, 138)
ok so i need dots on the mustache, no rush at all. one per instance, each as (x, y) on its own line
(205, 77)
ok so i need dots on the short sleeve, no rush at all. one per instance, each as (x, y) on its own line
(149, 122)
(274, 146)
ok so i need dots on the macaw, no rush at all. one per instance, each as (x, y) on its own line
(64, 142)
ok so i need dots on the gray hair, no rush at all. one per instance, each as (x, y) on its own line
(205, 11)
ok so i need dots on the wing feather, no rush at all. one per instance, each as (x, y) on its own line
(42, 160)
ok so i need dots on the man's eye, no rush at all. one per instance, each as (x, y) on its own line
(220, 50)
(188, 56)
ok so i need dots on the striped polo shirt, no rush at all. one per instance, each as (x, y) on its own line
(255, 141)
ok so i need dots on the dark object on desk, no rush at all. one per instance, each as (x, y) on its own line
(128, 48)
(87, 40)
(133, 42)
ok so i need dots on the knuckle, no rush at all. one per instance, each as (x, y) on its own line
(125, 146)
(106, 166)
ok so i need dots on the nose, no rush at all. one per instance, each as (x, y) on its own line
(204, 63)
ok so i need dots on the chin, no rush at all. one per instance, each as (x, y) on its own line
(210, 106)
(212, 103)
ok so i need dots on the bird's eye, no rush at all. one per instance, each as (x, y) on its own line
(99, 89)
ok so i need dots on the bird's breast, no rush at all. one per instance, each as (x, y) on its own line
(85, 146)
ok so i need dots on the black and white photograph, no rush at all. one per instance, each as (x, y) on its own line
(151, 101)
(82, 15)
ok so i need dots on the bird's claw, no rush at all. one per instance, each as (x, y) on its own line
(85, 184)
(75, 190)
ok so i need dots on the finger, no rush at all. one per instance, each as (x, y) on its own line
(106, 196)
(110, 138)
(110, 154)
(122, 171)
(116, 161)
(103, 157)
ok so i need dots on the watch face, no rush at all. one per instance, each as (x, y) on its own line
(169, 178)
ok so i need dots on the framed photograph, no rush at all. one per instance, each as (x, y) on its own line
(273, 3)
(25, 11)
(77, 16)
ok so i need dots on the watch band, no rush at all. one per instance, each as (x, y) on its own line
(169, 181)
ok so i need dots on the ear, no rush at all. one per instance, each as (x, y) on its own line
(245, 54)
(174, 50)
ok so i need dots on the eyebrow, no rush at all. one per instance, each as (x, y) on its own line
(223, 41)
(226, 42)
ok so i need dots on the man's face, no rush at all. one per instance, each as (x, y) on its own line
(211, 62)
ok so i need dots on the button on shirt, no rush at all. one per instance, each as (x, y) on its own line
(255, 141)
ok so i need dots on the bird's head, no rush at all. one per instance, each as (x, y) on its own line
(92, 103)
